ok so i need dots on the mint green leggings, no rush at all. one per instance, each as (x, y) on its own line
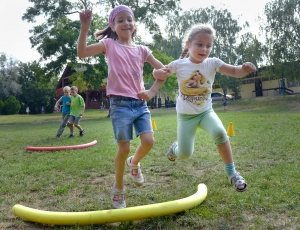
(186, 131)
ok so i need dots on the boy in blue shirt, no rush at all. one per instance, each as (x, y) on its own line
(66, 100)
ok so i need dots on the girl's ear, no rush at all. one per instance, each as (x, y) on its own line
(187, 44)
(111, 26)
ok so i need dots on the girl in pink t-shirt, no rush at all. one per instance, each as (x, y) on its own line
(125, 87)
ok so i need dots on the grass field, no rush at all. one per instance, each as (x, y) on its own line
(266, 152)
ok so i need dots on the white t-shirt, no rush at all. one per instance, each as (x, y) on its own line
(195, 84)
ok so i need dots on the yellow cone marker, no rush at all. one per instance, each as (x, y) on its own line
(230, 131)
(154, 125)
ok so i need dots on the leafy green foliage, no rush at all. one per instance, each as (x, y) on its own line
(56, 38)
(9, 84)
(11, 106)
(36, 92)
(221, 19)
(250, 49)
(1, 106)
(282, 37)
(146, 12)
(171, 46)
(170, 85)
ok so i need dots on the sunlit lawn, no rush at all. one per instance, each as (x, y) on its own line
(266, 152)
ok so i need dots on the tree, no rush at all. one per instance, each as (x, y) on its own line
(36, 92)
(171, 46)
(282, 29)
(56, 38)
(9, 77)
(146, 12)
(249, 49)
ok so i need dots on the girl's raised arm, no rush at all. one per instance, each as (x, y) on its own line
(82, 49)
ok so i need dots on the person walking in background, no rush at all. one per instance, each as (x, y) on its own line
(66, 101)
(125, 88)
(27, 110)
(225, 104)
(102, 106)
(43, 110)
(76, 111)
(194, 106)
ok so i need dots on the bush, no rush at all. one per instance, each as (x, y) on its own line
(1, 105)
(11, 106)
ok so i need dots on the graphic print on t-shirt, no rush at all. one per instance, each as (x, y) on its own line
(196, 88)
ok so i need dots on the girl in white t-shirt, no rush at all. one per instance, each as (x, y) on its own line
(194, 105)
(125, 87)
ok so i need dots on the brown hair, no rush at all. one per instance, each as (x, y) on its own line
(74, 88)
(194, 31)
(109, 33)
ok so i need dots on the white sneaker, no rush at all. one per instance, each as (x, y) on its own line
(118, 198)
(170, 154)
(135, 173)
(238, 182)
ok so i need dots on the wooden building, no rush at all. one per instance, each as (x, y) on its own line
(92, 98)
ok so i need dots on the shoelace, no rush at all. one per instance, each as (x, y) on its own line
(134, 172)
(117, 198)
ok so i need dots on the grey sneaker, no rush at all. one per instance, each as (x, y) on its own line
(170, 154)
(135, 173)
(71, 135)
(118, 198)
(238, 182)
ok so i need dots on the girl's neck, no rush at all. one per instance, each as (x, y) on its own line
(125, 42)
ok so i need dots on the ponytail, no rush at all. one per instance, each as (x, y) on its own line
(109, 33)
(106, 33)
(184, 53)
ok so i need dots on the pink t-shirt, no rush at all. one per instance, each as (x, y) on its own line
(125, 68)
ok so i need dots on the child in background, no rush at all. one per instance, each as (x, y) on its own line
(125, 87)
(66, 100)
(77, 110)
(225, 104)
(27, 110)
(195, 111)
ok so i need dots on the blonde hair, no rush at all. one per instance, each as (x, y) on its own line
(67, 88)
(194, 31)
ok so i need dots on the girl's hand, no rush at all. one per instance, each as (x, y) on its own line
(85, 18)
(249, 67)
(146, 95)
(161, 74)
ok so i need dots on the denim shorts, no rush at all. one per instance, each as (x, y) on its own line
(126, 113)
(75, 120)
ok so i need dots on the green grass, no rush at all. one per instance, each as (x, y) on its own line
(266, 151)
